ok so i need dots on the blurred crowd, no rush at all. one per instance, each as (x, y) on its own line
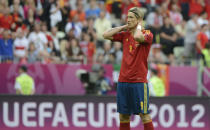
(70, 31)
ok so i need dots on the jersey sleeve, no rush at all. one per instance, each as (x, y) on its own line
(118, 37)
(148, 37)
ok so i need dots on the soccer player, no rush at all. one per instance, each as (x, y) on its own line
(132, 88)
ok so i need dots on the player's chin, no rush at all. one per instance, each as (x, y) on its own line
(130, 27)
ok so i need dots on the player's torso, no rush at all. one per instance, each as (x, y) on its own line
(134, 62)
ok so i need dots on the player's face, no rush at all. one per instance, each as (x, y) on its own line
(132, 21)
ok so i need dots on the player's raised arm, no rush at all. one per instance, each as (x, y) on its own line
(138, 35)
(109, 33)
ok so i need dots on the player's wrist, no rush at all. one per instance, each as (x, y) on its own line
(139, 27)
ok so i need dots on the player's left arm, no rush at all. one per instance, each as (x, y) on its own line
(141, 37)
(138, 35)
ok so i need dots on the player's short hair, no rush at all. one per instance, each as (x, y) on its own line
(137, 11)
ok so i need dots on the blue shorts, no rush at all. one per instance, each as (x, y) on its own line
(132, 98)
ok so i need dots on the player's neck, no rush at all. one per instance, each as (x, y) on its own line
(132, 30)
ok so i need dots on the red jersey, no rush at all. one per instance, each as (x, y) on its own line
(134, 66)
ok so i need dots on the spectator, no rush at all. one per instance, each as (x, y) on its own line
(6, 47)
(79, 12)
(39, 9)
(55, 38)
(21, 44)
(75, 54)
(70, 35)
(196, 7)
(185, 9)
(181, 29)
(46, 12)
(65, 9)
(6, 19)
(117, 52)
(102, 7)
(4, 3)
(29, 4)
(154, 22)
(88, 47)
(111, 59)
(17, 18)
(164, 8)
(88, 27)
(114, 7)
(30, 19)
(203, 18)
(44, 28)
(93, 11)
(157, 56)
(40, 41)
(50, 47)
(63, 49)
(24, 84)
(99, 58)
(33, 54)
(74, 26)
(175, 15)
(176, 2)
(107, 51)
(168, 38)
(74, 3)
(55, 14)
(101, 24)
(19, 7)
(192, 29)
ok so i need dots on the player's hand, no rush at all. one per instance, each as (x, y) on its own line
(139, 25)
(125, 27)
